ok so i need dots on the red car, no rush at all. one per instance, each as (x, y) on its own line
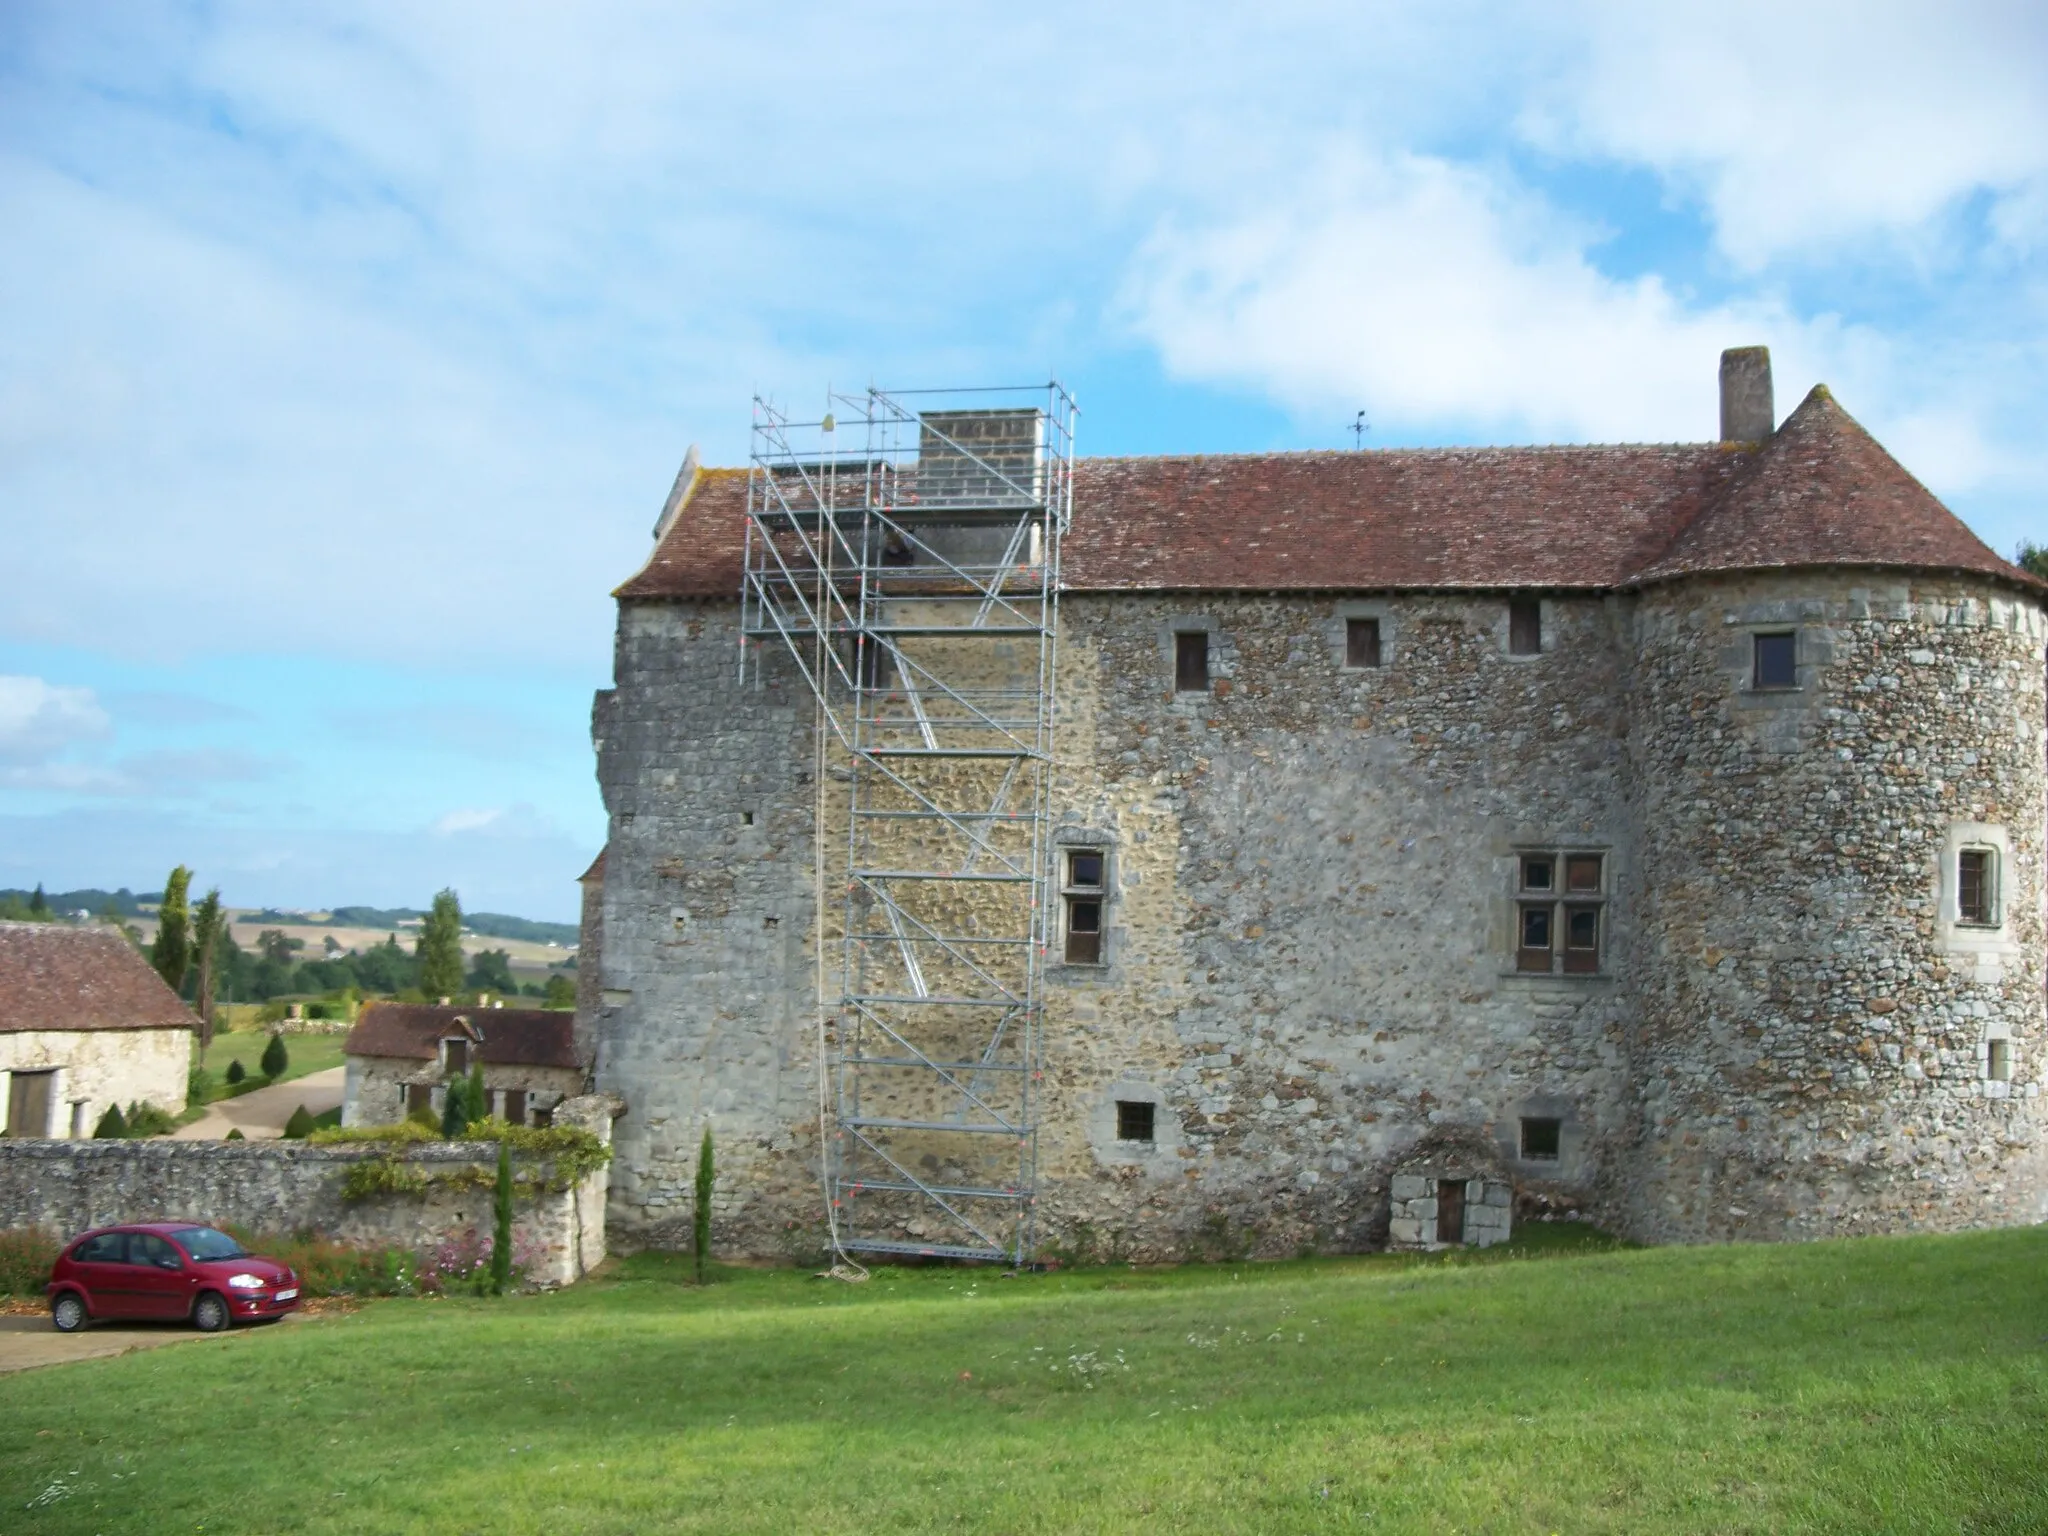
(172, 1270)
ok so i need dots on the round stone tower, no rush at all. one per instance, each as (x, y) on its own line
(1838, 744)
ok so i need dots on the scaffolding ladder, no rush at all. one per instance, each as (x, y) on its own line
(904, 552)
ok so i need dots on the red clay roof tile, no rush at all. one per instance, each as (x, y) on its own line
(53, 976)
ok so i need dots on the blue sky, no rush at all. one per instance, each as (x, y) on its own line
(347, 353)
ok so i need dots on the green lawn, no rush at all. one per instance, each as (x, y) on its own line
(308, 1053)
(1875, 1385)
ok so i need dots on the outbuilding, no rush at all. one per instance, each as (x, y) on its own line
(84, 1023)
(401, 1056)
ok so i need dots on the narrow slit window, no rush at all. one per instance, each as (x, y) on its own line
(1525, 626)
(1540, 1139)
(1776, 661)
(1974, 870)
(1361, 642)
(1134, 1120)
(1082, 893)
(1998, 1060)
(1191, 662)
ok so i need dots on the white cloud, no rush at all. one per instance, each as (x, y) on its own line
(39, 720)
(1813, 128)
(505, 821)
(1436, 295)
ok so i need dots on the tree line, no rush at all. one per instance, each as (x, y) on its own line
(196, 953)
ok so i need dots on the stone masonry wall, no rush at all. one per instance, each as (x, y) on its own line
(272, 1186)
(95, 1068)
(1811, 1039)
(1310, 955)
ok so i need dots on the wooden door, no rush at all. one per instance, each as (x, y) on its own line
(1450, 1210)
(28, 1103)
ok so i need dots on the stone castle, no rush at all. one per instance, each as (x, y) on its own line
(1654, 832)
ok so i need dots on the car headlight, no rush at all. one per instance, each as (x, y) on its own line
(247, 1282)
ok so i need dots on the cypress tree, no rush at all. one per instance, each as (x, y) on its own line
(171, 954)
(700, 1222)
(501, 1235)
(206, 930)
(111, 1127)
(275, 1057)
(37, 905)
(440, 948)
(300, 1125)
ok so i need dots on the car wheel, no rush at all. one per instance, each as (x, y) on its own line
(209, 1313)
(68, 1313)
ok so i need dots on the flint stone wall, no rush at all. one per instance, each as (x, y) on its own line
(280, 1186)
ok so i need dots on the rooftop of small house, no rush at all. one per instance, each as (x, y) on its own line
(57, 977)
(506, 1037)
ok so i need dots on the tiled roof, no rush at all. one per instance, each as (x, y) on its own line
(596, 870)
(1821, 492)
(510, 1037)
(53, 976)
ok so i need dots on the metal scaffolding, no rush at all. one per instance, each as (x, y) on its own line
(905, 551)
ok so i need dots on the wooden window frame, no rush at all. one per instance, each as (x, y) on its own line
(1083, 946)
(1362, 644)
(1191, 646)
(1566, 888)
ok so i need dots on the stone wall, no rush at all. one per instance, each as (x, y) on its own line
(1811, 1040)
(1310, 959)
(93, 1069)
(273, 1186)
(375, 1088)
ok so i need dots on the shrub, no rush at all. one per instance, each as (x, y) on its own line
(463, 1263)
(326, 1267)
(300, 1125)
(236, 1071)
(700, 1216)
(26, 1254)
(275, 1057)
(198, 1084)
(148, 1120)
(234, 1134)
(112, 1125)
(467, 1102)
(501, 1230)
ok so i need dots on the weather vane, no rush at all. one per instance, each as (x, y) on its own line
(1359, 427)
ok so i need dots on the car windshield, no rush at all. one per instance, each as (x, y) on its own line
(205, 1243)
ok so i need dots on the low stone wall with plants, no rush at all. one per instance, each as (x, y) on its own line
(398, 1187)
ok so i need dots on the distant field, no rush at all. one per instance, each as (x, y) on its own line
(529, 959)
(1877, 1385)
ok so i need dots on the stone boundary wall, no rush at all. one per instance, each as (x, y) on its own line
(289, 1186)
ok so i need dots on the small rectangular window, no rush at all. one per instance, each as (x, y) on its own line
(1133, 1120)
(1998, 1060)
(1582, 873)
(1538, 872)
(1776, 661)
(1361, 642)
(1191, 661)
(1539, 1139)
(1973, 885)
(1081, 894)
(1581, 939)
(1533, 953)
(1525, 626)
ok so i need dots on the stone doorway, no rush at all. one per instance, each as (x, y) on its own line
(28, 1103)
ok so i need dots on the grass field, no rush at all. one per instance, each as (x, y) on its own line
(308, 1053)
(1877, 1385)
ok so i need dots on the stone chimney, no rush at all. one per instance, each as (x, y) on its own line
(1747, 415)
